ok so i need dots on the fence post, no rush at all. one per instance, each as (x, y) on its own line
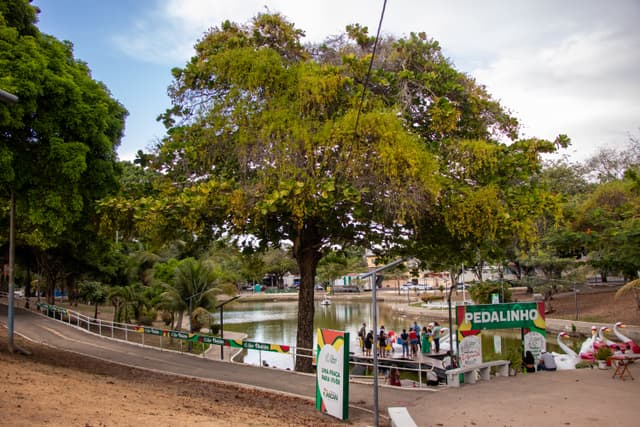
(420, 372)
(100, 327)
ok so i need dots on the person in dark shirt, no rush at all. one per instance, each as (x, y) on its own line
(529, 362)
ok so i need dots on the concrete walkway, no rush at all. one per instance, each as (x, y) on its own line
(41, 329)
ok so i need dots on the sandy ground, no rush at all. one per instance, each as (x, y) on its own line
(57, 388)
(52, 387)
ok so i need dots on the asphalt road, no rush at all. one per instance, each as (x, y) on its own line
(42, 329)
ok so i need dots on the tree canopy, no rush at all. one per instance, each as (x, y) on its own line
(58, 142)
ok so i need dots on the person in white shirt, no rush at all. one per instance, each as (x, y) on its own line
(547, 363)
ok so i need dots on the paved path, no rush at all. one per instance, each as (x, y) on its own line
(42, 329)
(443, 407)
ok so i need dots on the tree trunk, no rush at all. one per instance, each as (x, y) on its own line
(306, 250)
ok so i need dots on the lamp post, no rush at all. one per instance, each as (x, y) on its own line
(374, 285)
(221, 307)
(190, 299)
(10, 98)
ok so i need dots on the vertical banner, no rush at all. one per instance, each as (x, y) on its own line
(332, 373)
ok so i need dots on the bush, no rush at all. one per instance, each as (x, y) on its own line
(428, 298)
(584, 364)
(514, 357)
(481, 292)
(145, 320)
(603, 353)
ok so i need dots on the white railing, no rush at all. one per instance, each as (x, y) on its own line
(131, 333)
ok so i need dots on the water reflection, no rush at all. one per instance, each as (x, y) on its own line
(276, 322)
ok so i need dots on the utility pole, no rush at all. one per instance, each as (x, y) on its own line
(10, 98)
(372, 275)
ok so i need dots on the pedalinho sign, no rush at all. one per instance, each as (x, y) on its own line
(501, 316)
(332, 376)
(472, 319)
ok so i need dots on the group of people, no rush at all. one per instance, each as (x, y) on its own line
(416, 340)
(546, 362)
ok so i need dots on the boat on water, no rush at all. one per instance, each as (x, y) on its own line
(325, 301)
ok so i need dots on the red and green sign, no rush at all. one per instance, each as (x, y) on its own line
(500, 316)
(208, 339)
(472, 319)
(332, 377)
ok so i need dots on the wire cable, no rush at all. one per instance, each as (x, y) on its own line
(373, 55)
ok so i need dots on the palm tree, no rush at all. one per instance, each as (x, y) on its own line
(126, 301)
(194, 286)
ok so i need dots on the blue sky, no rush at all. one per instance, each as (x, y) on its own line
(560, 66)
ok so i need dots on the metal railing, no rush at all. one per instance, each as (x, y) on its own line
(134, 334)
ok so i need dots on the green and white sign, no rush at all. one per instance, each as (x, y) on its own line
(332, 377)
(501, 316)
(472, 319)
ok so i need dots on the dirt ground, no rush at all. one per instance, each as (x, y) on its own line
(58, 388)
(596, 305)
(51, 387)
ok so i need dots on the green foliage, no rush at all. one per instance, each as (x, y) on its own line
(57, 150)
(514, 356)
(94, 293)
(427, 298)
(194, 286)
(481, 292)
(603, 353)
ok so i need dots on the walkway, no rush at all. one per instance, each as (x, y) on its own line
(42, 329)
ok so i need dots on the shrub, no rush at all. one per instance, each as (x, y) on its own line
(481, 292)
(604, 353)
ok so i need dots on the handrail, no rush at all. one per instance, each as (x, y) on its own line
(130, 333)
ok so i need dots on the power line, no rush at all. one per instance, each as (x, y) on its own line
(373, 55)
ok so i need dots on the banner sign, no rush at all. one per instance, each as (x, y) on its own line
(52, 308)
(470, 350)
(501, 316)
(208, 339)
(535, 341)
(471, 319)
(332, 374)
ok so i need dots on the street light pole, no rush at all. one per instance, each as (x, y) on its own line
(10, 98)
(374, 285)
(221, 307)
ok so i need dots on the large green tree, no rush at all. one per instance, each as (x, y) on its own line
(262, 140)
(58, 142)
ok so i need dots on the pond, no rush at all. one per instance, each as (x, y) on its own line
(276, 323)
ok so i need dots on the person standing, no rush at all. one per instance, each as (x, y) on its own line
(362, 333)
(382, 343)
(404, 336)
(436, 336)
(413, 341)
(425, 343)
(368, 343)
(417, 328)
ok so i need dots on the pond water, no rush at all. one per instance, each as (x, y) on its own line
(276, 323)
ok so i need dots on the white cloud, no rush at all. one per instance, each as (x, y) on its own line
(561, 67)
(584, 85)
